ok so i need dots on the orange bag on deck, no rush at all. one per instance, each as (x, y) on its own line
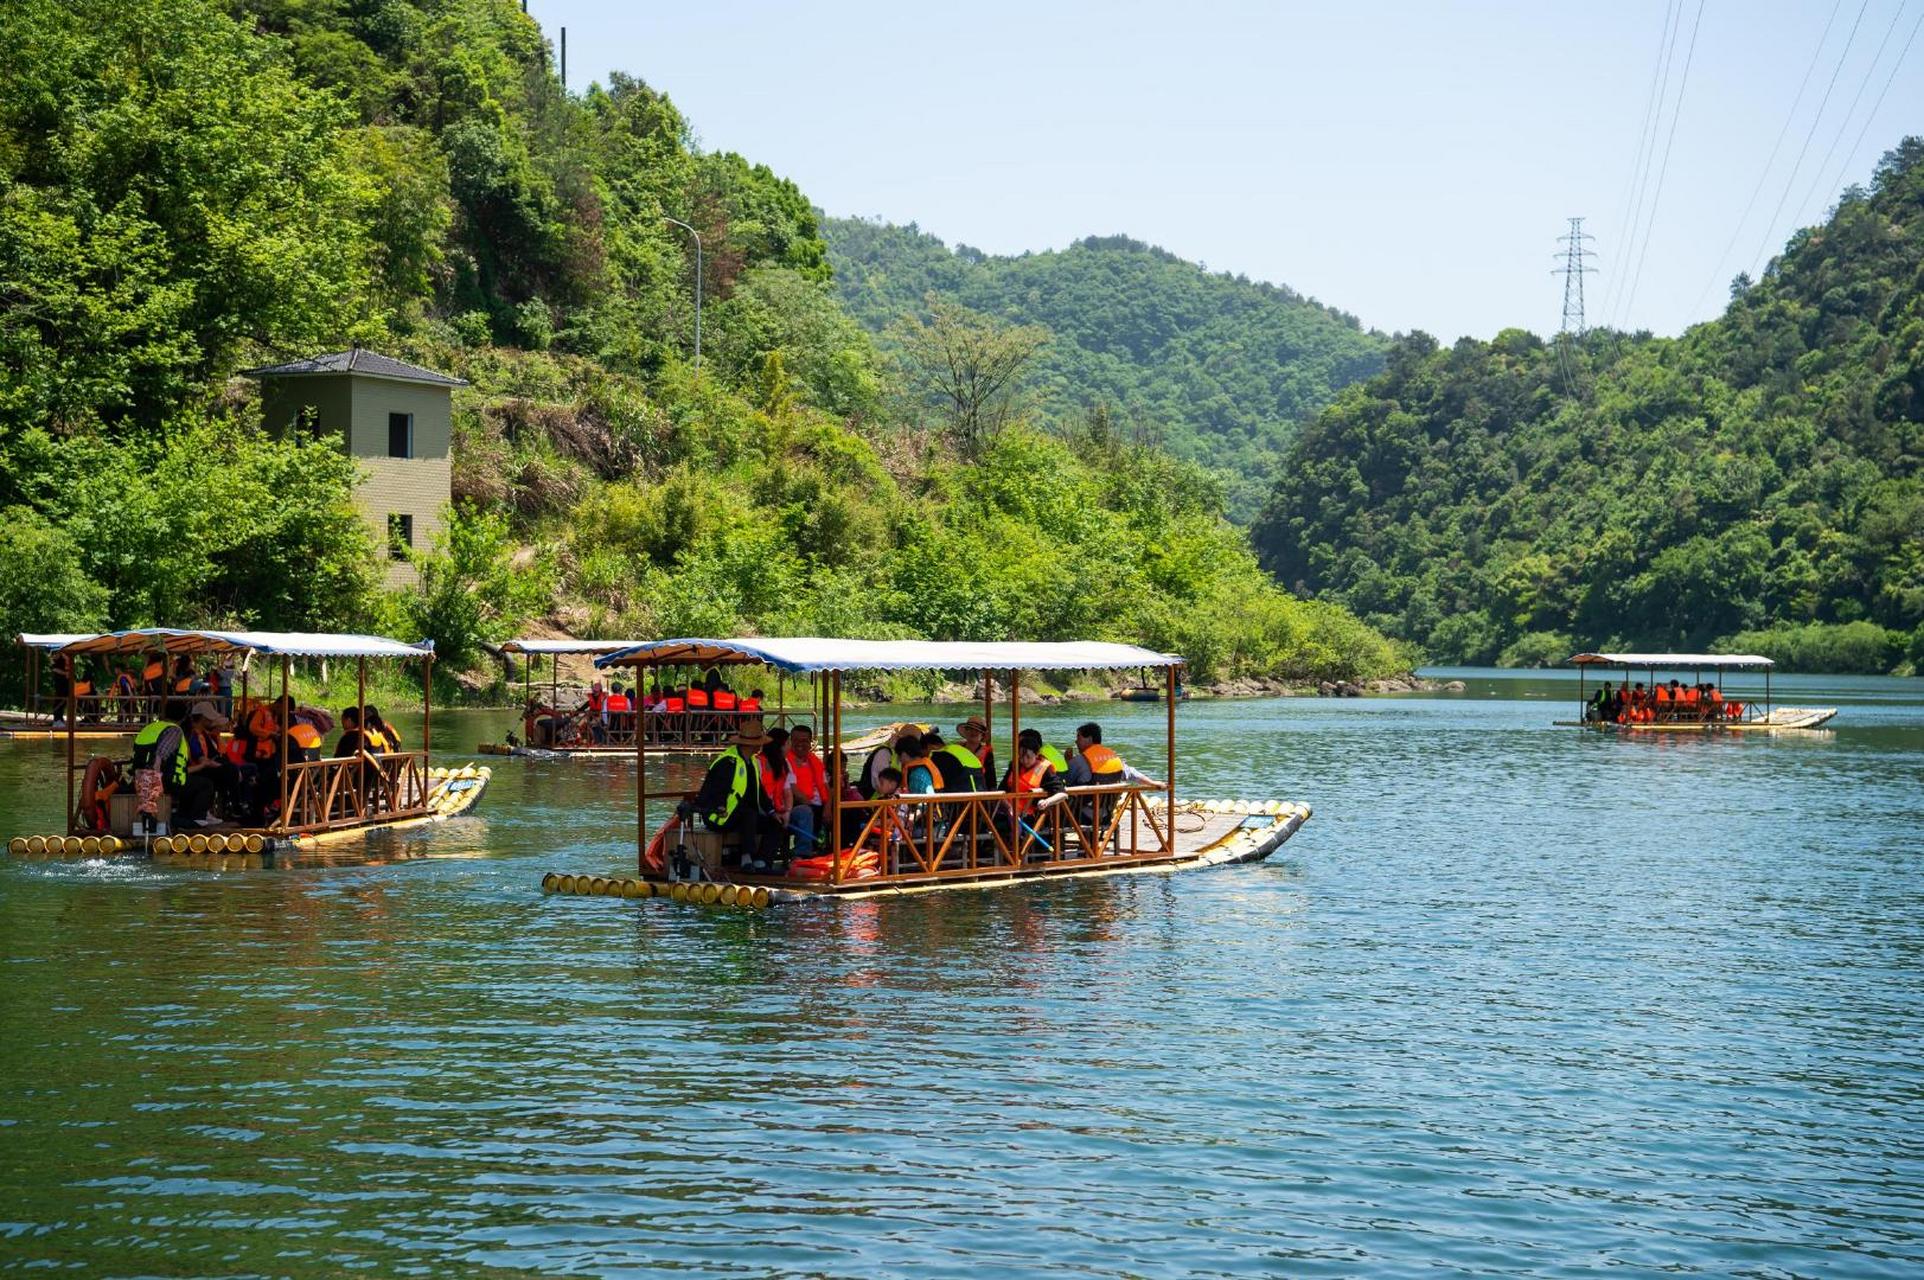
(857, 864)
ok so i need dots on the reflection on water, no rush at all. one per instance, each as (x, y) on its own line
(1517, 1000)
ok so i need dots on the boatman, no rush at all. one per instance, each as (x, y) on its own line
(974, 733)
(732, 798)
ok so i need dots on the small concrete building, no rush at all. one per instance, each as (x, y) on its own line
(395, 418)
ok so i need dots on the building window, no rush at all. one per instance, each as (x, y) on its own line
(400, 435)
(400, 536)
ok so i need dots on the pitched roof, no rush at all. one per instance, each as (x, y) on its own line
(370, 364)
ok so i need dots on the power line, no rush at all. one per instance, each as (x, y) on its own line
(1851, 112)
(1764, 175)
(1663, 168)
(1888, 82)
(1770, 227)
(1640, 164)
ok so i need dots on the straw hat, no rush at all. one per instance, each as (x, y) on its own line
(973, 722)
(210, 713)
(749, 733)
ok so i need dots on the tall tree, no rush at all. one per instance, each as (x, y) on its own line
(969, 364)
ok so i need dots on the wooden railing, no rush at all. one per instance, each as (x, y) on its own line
(355, 790)
(975, 833)
(112, 709)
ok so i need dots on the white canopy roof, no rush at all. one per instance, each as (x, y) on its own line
(817, 653)
(297, 644)
(567, 646)
(1672, 661)
(53, 639)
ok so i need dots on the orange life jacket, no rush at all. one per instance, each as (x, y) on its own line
(1028, 782)
(619, 702)
(153, 671)
(751, 704)
(698, 699)
(304, 735)
(724, 700)
(676, 706)
(921, 762)
(811, 778)
(183, 684)
(1105, 764)
(83, 688)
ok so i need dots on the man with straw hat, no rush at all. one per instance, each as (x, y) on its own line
(732, 799)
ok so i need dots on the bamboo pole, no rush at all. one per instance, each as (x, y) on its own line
(1015, 719)
(641, 782)
(839, 781)
(72, 711)
(286, 709)
(1169, 778)
(360, 718)
(427, 711)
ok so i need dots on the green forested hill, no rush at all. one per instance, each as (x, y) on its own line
(1217, 368)
(1754, 483)
(188, 187)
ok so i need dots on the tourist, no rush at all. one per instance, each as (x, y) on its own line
(207, 759)
(379, 731)
(1095, 765)
(811, 789)
(1031, 776)
(778, 783)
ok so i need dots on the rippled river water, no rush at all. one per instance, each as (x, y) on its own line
(1518, 1000)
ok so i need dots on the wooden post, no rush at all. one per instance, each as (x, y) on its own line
(1169, 778)
(839, 779)
(1582, 707)
(988, 720)
(285, 709)
(1015, 719)
(427, 711)
(641, 782)
(33, 680)
(360, 718)
(72, 711)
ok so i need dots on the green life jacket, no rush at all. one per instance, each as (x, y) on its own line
(174, 771)
(1055, 757)
(967, 773)
(737, 787)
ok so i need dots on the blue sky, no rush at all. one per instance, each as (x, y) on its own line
(1410, 163)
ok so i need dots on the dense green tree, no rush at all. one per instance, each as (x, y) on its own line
(1763, 472)
(1214, 367)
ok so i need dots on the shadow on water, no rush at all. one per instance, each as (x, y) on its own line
(1518, 1000)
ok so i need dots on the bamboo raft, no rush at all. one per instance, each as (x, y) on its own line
(452, 792)
(1778, 719)
(1222, 833)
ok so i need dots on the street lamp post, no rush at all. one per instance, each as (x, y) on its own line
(697, 235)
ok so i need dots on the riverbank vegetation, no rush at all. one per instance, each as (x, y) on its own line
(189, 187)
(1756, 484)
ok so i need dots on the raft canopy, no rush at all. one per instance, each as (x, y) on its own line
(563, 648)
(54, 640)
(806, 654)
(293, 644)
(1674, 661)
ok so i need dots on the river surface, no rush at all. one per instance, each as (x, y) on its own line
(1517, 1001)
